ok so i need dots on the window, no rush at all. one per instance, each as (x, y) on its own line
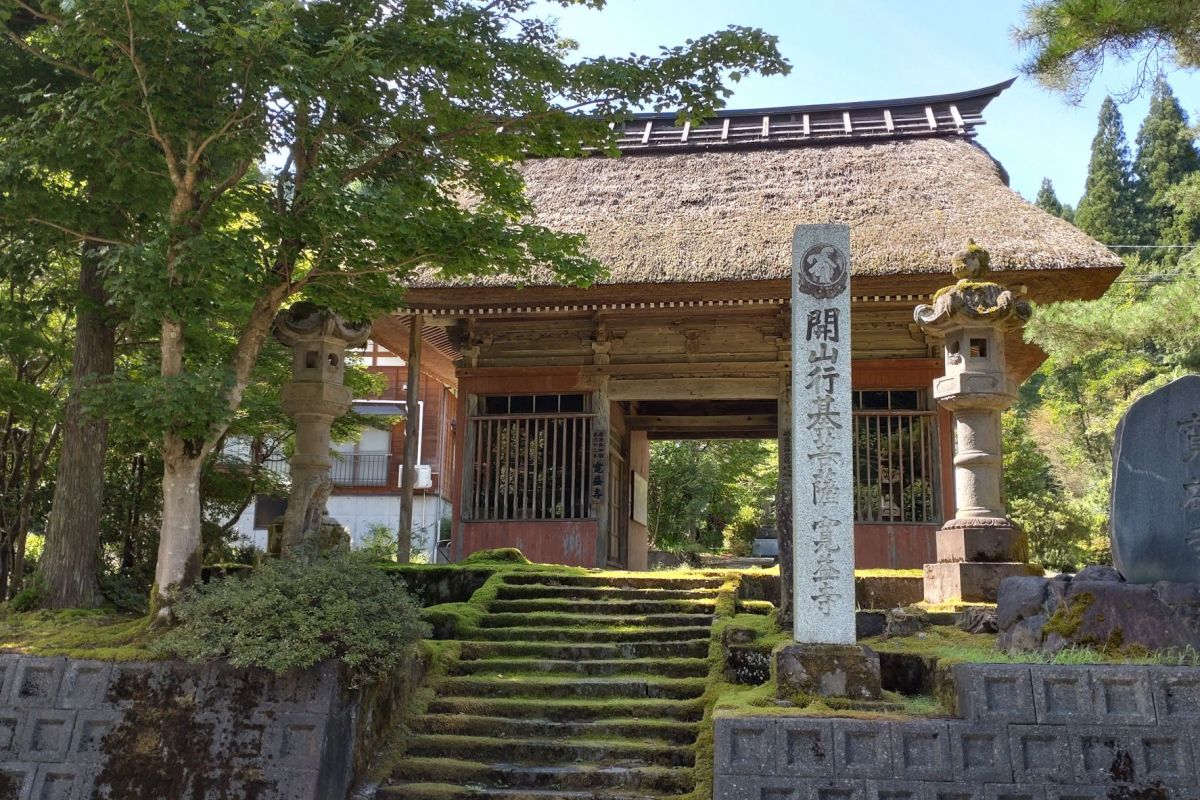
(531, 456)
(894, 457)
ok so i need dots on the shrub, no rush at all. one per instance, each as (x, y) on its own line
(32, 594)
(289, 615)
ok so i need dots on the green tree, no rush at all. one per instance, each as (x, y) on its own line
(1166, 155)
(1070, 40)
(1047, 200)
(324, 149)
(1107, 211)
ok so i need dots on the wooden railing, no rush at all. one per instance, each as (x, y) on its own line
(894, 465)
(530, 467)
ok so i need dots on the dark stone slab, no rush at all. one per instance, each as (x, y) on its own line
(1155, 511)
(921, 750)
(862, 748)
(746, 746)
(994, 692)
(980, 753)
(1063, 694)
(1040, 754)
(804, 747)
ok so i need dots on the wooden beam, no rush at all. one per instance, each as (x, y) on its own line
(692, 388)
(651, 422)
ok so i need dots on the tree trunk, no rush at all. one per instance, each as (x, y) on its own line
(412, 434)
(73, 529)
(179, 545)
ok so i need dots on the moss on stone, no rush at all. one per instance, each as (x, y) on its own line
(104, 634)
(1068, 617)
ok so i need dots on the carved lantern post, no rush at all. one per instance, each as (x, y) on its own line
(314, 397)
(980, 545)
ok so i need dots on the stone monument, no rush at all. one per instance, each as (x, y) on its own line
(824, 658)
(1152, 600)
(1155, 512)
(314, 397)
(980, 545)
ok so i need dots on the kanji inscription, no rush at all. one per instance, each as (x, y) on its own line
(823, 550)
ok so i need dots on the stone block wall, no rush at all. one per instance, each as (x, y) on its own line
(1025, 732)
(76, 730)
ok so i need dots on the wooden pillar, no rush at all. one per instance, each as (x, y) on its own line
(598, 476)
(412, 433)
(783, 501)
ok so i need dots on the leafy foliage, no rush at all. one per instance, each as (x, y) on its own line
(699, 488)
(288, 616)
(1071, 40)
(1059, 527)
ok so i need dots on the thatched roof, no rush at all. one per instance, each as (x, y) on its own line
(718, 202)
(720, 216)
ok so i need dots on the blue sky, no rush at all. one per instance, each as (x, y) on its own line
(873, 50)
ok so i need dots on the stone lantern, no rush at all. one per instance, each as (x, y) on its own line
(980, 545)
(314, 397)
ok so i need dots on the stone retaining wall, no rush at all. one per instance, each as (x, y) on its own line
(1025, 732)
(74, 730)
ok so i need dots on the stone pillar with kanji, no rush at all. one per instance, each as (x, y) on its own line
(980, 545)
(314, 397)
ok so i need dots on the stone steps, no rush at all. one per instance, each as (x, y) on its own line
(684, 648)
(647, 730)
(539, 686)
(511, 591)
(704, 605)
(614, 635)
(448, 791)
(568, 687)
(667, 780)
(593, 620)
(544, 751)
(666, 667)
(569, 709)
(622, 582)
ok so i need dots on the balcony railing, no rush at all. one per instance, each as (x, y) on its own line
(349, 469)
(362, 469)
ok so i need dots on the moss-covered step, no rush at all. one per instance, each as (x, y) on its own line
(543, 752)
(539, 686)
(574, 776)
(705, 605)
(615, 581)
(555, 618)
(569, 709)
(510, 591)
(689, 648)
(667, 667)
(449, 791)
(646, 730)
(566, 634)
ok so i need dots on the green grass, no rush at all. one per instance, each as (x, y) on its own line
(104, 634)
(950, 645)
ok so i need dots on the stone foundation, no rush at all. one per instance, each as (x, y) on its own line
(1026, 732)
(829, 670)
(78, 730)
(970, 582)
